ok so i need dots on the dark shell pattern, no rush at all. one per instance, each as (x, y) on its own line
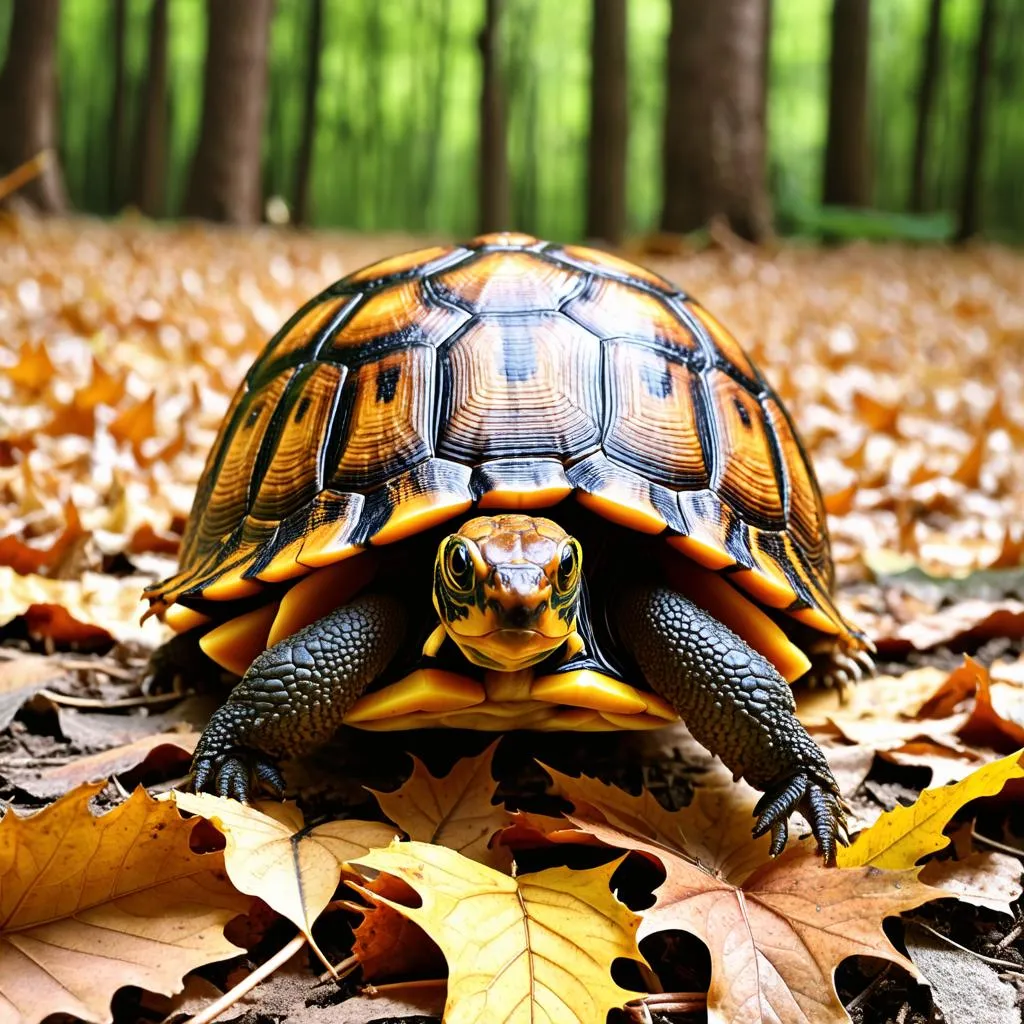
(504, 373)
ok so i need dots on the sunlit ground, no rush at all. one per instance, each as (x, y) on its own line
(120, 346)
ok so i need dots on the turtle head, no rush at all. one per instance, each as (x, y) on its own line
(507, 589)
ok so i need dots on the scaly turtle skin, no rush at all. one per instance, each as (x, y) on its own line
(504, 377)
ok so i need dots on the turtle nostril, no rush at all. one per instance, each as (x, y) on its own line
(518, 618)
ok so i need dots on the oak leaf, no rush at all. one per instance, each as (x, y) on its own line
(902, 836)
(89, 904)
(536, 947)
(271, 853)
(454, 811)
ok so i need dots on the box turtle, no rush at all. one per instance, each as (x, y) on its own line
(641, 535)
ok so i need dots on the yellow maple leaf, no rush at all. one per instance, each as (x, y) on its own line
(902, 836)
(89, 904)
(271, 854)
(454, 811)
(536, 947)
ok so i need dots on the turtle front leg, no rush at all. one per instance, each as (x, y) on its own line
(737, 705)
(295, 694)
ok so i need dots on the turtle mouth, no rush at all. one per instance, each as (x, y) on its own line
(507, 649)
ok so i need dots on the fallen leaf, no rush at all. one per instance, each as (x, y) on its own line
(20, 678)
(34, 370)
(271, 853)
(91, 904)
(26, 558)
(714, 828)
(536, 947)
(776, 939)
(902, 836)
(387, 943)
(988, 879)
(454, 811)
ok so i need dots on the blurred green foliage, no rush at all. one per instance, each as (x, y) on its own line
(395, 147)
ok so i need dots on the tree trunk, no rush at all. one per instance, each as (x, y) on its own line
(152, 136)
(970, 196)
(116, 141)
(225, 180)
(314, 48)
(437, 106)
(714, 143)
(847, 169)
(28, 101)
(493, 182)
(925, 102)
(609, 126)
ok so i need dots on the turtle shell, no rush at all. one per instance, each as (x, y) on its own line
(504, 373)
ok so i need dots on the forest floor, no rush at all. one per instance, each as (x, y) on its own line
(120, 347)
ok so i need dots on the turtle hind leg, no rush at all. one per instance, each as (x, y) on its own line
(177, 659)
(736, 704)
(295, 695)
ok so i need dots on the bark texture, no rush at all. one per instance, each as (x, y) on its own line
(28, 101)
(609, 122)
(493, 183)
(305, 158)
(847, 167)
(925, 103)
(152, 136)
(714, 142)
(970, 199)
(225, 180)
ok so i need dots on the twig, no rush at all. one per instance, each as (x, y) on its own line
(215, 1009)
(95, 702)
(341, 970)
(871, 989)
(24, 173)
(996, 845)
(1011, 935)
(666, 1002)
(981, 956)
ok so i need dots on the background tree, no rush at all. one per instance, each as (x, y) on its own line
(151, 159)
(969, 199)
(609, 127)
(493, 181)
(926, 102)
(225, 180)
(118, 133)
(714, 140)
(314, 49)
(28, 101)
(847, 167)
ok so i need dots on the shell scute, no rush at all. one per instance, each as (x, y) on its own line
(507, 373)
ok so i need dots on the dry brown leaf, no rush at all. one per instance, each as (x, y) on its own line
(90, 904)
(34, 370)
(536, 947)
(776, 940)
(714, 828)
(94, 609)
(387, 943)
(21, 677)
(454, 811)
(26, 558)
(988, 879)
(271, 853)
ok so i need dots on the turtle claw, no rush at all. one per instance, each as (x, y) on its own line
(236, 775)
(817, 802)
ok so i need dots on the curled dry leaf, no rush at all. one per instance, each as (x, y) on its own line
(902, 836)
(536, 947)
(90, 904)
(271, 853)
(454, 811)
(986, 879)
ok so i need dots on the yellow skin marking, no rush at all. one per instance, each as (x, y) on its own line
(506, 589)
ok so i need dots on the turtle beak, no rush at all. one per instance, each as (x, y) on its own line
(519, 595)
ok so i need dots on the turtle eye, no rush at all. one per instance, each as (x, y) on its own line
(459, 569)
(568, 567)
